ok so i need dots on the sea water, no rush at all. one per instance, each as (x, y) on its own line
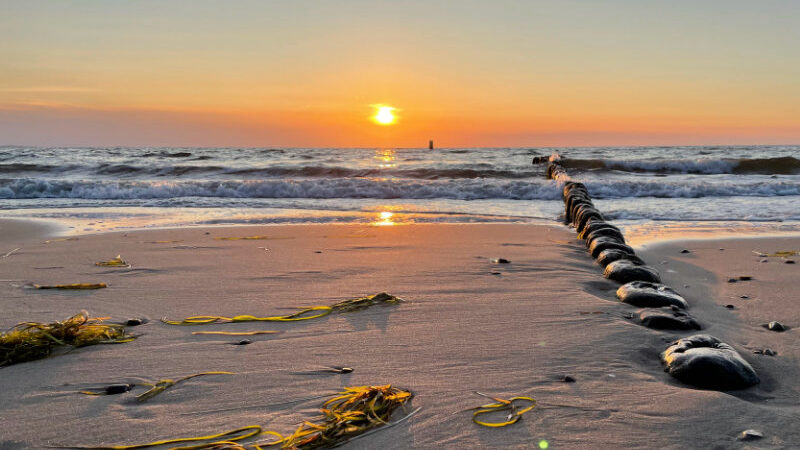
(641, 188)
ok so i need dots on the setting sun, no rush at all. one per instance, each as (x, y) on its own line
(384, 115)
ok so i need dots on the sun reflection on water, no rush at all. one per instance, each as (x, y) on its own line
(384, 219)
(386, 158)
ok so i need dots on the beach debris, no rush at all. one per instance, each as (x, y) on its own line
(671, 318)
(514, 412)
(135, 322)
(766, 351)
(249, 238)
(650, 295)
(162, 385)
(28, 341)
(115, 262)
(330, 369)
(235, 333)
(348, 414)
(61, 240)
(750, 435)
(775, 326)
(112, 389)
(781, 254)
(706, 362)
(11, 252)
(500, 261)
(72, 286)
(625, 271)
(303, 314)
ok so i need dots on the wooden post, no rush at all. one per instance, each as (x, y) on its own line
(430, 144)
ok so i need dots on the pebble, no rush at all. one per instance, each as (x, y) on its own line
(134, 322)
(732, 280)
(243, 342)
(568, 379)
(118, 389)
(743, 296)
(685, 251)
(745, 278)
(750, 435)
(764, 260)
(501, 261)
(496, 273)
(775, 326)
(789, 261)
(317, 251)
(766, 351)
(730, 306)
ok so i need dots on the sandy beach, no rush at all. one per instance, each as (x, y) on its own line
(468, 324)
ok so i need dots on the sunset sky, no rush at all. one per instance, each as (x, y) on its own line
(464, 73)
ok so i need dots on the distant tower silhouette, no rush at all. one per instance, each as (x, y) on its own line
(430, 144)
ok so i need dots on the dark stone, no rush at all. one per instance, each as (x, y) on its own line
(586, 217)
(766, 351)
(596, 225)
(732, 280)
(624, 271)
(745, 278)
(501, 261)
(496, 273)
(650, 295)
(572, 186)
(775, 326)
(604, 232)
(744, 296)
(730, 306)
(685, 251)
(317, 251)
(115, 389)
(243, 342)
(134, 322)
(568, 379)
(789, 261)
(670, 318)
(610, 255)
(573, 203)
(581, 209)
(706, 362)
(608, 242)
(750, 435)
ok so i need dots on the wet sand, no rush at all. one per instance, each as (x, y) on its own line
(468, 325)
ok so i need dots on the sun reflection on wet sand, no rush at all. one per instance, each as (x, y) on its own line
(384, 219)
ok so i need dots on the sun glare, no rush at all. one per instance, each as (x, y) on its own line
(384, 115)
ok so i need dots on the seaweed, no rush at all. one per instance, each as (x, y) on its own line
(348, 414)
(28, 341)
(502, 405)
(115, 262)
(303, 314)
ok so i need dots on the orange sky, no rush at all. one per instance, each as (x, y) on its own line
(509, 73)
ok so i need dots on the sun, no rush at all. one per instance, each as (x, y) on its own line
(384, 115)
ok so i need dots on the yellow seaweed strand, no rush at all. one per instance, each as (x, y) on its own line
(229, 436)
(163, 385)
(503, 405)
(116, 262)
(354, 304)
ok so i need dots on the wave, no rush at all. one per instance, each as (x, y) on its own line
(311, 171)
(786, 165)
(380, 188)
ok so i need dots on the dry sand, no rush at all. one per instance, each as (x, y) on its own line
(547, 314)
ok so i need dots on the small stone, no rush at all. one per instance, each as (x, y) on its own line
(496, 273)
(568, 379)
(745, 278)
(685, 251)
(501, 261)
(207, 232)
(730, 306)
(789, 261)
(133, 322)
(764, 260)
(744, 296)
(722, 249)
(115, 389)
(775, 326)
(732, 280)
(769, 352)
(243, 342)
(317, 251)
(750, 435)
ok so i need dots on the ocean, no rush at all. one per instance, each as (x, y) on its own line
(756, 189)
